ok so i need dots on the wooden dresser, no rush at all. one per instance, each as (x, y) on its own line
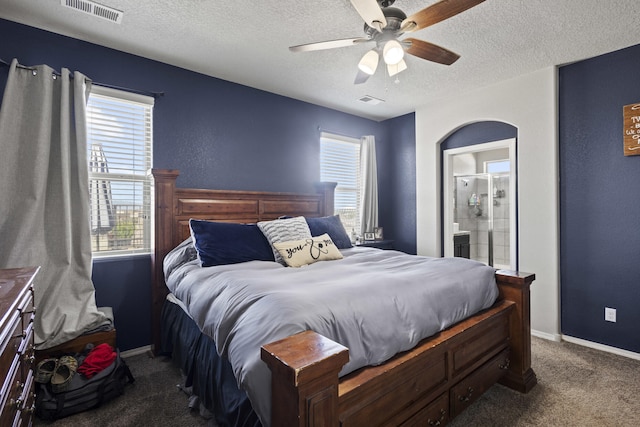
(17, 396)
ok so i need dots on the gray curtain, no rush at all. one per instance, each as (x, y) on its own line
(44, 197)
(369, 185)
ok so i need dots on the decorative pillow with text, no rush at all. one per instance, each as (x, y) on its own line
(302, 252)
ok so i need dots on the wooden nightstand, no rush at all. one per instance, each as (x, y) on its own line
(380, 244)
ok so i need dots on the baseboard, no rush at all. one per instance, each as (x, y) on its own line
(135, 351)
(602, 347)
(546, 336)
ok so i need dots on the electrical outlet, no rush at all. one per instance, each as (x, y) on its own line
(610, 314)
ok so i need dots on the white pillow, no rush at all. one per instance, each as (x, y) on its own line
(284, 230)
(307, 251)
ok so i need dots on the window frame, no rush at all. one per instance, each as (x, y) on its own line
(145, 180)
(341, 188)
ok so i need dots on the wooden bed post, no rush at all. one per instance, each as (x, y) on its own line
(164, 187)
(515, 286)
(304, 384)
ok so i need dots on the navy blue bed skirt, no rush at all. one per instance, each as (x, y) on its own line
(209, 374)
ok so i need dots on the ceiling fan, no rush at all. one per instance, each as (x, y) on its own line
(385, 24)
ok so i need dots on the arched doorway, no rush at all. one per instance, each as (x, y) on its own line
(479, 194)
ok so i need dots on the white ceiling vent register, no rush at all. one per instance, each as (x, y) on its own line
(95, 9)
(372, 100)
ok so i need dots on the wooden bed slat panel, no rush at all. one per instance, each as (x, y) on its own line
(217, 208)
(273, 208)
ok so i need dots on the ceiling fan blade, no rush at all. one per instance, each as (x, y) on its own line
(361, 77)
(430, 51)
(437, 12)
(330, 44)
(371, 12)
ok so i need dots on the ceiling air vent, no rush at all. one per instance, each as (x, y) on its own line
(95, 9)
(368, 99)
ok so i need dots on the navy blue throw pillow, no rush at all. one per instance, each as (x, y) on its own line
(219, 243)
(333, 227)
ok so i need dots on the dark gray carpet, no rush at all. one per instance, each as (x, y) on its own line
(577, 386)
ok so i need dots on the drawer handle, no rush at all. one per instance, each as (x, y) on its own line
(19, 385)
(466, 397)
(24, 408)
(439, 420)
(29, 358)
(505, 365)
(24, 334)
(31, 409)
(16, 402)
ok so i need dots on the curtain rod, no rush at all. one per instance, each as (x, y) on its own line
(155, 95)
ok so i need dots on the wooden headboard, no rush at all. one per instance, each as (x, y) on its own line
(175, 206)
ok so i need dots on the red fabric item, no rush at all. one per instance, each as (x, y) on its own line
(98, 359)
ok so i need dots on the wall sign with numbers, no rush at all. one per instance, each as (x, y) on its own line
(631, 129)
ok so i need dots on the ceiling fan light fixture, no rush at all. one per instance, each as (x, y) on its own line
(369, 62)
(392, 52)
(394, 69)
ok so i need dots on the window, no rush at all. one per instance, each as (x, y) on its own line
(340, 162)
(119, 141)
(497, 166)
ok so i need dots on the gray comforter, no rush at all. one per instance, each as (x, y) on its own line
(377, 303)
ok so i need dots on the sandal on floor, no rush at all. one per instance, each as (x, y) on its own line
(44, 370)
(67, 367)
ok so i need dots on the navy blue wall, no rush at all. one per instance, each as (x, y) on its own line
(219, 135)
(478, 133)
(397, 184)
(599, 200)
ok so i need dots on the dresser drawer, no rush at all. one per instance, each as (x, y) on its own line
(470, 388)
(12, 390)
(26, 308)
(478, 348)
(26, 351)
(11, 340)
(17, 313)
(435, 414)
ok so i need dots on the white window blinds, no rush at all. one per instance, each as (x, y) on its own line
(119, 144)
(340, 162)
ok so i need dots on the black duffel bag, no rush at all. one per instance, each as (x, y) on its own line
(83, 393)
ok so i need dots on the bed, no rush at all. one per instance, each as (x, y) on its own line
(429, 383)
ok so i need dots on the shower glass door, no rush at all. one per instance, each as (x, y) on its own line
(471, 214)
(481, 211)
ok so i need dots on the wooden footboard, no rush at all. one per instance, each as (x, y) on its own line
(427, 385)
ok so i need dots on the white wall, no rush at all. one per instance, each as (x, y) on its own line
(530, 104)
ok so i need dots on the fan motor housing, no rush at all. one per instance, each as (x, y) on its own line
(394, 18)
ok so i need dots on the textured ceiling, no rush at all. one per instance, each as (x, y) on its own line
(246, 41)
